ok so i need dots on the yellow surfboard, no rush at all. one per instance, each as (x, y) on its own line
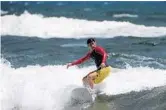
(102, 74)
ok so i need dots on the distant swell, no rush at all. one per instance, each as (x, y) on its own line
(125, 15)
(60, 27)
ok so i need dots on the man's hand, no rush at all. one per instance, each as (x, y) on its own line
(68, 65)
(102, 65)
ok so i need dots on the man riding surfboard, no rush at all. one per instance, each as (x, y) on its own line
(99, 55)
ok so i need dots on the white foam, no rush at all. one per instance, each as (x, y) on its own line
(51, 27)
(48, 87)
(3, 12)
(134, 79)
(125, 15)
(74, 45)
(34, 88)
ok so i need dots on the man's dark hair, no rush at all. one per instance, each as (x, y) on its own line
(90, 40)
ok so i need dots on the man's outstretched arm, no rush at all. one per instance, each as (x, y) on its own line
(79, 61)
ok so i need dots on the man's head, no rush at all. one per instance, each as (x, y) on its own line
(91, 43)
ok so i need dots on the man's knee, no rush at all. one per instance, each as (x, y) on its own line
(84, 78)
(89, 77)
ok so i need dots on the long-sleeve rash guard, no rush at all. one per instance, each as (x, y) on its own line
(98, 54)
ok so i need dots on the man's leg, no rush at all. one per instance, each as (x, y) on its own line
(89, 79)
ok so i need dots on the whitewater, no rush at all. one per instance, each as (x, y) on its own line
(49, 87)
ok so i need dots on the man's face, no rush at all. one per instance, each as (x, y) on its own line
(92, 45)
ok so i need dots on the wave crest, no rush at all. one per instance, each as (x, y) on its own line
(60, 27)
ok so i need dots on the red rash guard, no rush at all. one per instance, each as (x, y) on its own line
(98, 54)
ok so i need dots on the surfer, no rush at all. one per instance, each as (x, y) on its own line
(99, 55)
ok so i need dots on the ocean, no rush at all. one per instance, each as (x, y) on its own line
(39, 38)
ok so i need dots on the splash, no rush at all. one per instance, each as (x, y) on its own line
(49, 87)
